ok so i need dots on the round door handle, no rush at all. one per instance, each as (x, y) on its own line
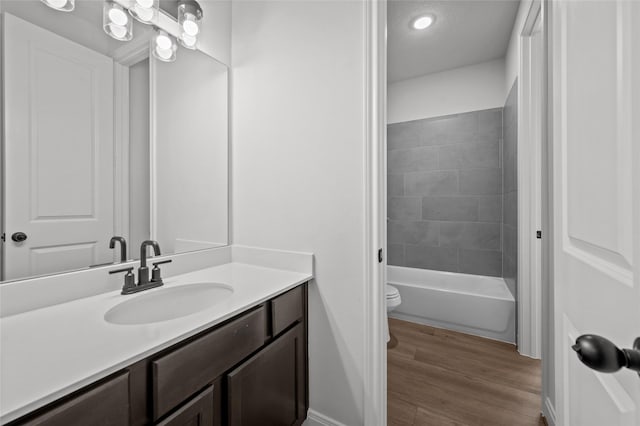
(602, 355)
(19, 237)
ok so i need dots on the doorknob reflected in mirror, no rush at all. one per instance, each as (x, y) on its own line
(602, 355)
(19, 237)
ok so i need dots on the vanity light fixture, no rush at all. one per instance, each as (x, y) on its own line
(116, 21)
(163, 46)
(61, 5)
(145, 11)
(190, 20)
(422, 22)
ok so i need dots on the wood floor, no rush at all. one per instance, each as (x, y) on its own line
(442, 378)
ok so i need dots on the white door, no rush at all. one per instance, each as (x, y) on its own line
(58, 177)
(596, 136)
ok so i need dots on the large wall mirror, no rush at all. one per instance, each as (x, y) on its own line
(100, 139)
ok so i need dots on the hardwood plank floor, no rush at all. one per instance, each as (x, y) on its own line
(438, 377)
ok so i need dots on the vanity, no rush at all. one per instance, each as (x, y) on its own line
(236, 356)
(251, 369)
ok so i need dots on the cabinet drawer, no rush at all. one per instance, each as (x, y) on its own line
(197, 412)
(104, 405)
(183, 372)
(286, 309)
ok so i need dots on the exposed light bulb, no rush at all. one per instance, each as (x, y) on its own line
(144, 14)
(61, 5)
(163, 42)
(188, 41)
(164, 54)
(118, 31)
(144, 11)
(117, 16)
(57, 3)
(116, 22)
(190, 25)
(163, 47)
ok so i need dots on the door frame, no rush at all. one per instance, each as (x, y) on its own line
(375, 194)
(547, 290)
(2, 142)
(535, 209)
(530, 194)
(123, 59)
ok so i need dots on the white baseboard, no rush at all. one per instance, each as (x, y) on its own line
(316, 419)
(549, 412)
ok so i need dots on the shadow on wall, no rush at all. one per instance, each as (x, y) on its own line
(445, 193)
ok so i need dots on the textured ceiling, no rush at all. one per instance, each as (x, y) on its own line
(465, 32)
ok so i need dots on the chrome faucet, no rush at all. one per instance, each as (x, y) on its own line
(123, 247)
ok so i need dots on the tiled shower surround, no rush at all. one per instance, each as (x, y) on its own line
(445, 193)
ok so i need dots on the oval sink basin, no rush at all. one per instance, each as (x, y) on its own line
(168, 303)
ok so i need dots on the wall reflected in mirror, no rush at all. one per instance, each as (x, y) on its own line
(101, 139)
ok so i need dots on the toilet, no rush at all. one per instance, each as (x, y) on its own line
(393, 297)
(393, 301)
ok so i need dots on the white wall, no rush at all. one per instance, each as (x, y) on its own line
(139, 184)
(464, 89)
(190, 150)
(297, 165)
(215, 39)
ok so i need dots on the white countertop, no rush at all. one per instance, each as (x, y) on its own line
(50, 352)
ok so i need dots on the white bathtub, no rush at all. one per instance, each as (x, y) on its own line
(472, 304)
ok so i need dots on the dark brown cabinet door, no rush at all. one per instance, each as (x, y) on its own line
(269, 388)
(105, 404)
(197, 412)
(189, 368)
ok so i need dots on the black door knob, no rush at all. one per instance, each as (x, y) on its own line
(602, 355)
(19, 237)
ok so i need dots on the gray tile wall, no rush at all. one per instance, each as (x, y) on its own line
(445, 193)
(510, 185)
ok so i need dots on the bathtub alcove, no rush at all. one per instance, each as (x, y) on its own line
(472, 304)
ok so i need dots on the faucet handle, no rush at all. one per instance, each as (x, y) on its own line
(129, 279)
(155, 272)
(128, 270)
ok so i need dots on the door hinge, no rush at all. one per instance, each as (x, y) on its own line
(380, 258)
(538, 234)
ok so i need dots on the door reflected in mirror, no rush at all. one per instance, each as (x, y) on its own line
(101, 140)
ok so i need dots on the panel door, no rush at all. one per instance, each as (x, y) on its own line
(197, 412)
(269, 388)
(58, 146)
(106, 404)
(596, 175)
